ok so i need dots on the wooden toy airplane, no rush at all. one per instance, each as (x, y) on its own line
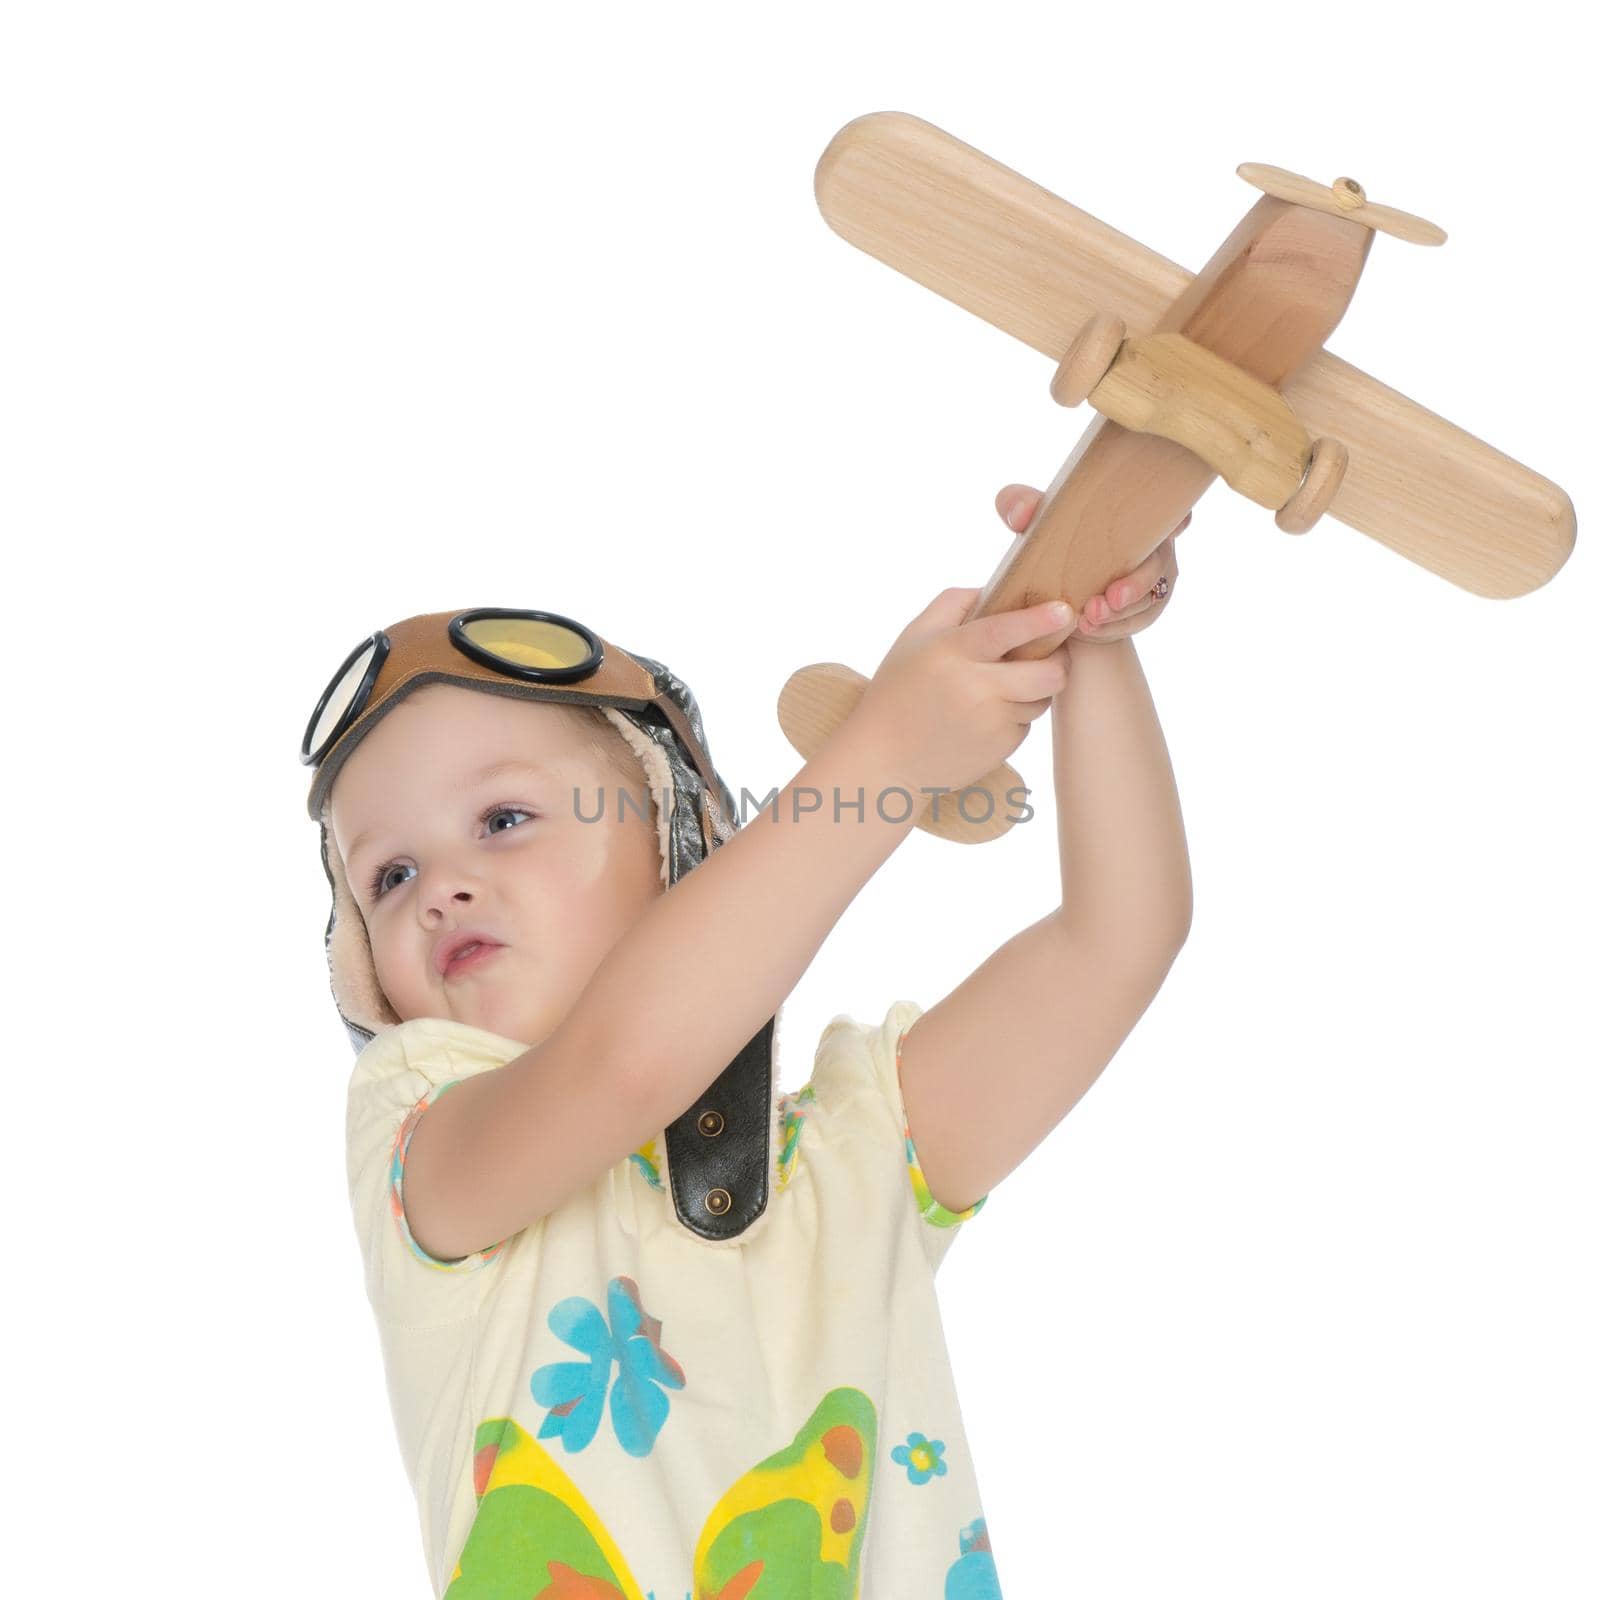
(1194, 376)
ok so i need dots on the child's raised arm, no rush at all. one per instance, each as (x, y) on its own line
(1050, 1008)
(712, 959)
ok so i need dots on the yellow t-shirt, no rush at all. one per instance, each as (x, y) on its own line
(606, 1403)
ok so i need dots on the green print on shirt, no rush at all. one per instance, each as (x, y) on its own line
(793, 1524)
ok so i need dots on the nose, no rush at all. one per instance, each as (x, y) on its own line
(444, 891)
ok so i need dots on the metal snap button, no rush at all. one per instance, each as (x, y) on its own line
(718, 1201)
(711, 1123)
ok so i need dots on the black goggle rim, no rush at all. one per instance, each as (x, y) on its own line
(516, 669)
(378, 643)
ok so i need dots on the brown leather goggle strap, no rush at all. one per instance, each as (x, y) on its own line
(680, 726)
(421, 646)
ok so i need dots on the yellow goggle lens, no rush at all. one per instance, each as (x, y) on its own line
(528, 643)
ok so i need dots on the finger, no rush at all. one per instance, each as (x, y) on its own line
(1017, 503)
(947, 609)
(1122, 593)
(1099, 611)
(1033, 709)
(1133, 610)
(991, 637)
(1022, 682)
(1095, 616)
(1114, 626)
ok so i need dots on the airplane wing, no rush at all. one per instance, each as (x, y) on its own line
(1030, 263)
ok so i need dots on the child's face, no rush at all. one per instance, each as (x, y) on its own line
(504, 855)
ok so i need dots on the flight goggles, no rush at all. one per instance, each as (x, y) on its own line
(535, 655)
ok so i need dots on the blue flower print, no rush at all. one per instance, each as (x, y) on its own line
(575, 1391)
(973, 1576)
(921, 1457)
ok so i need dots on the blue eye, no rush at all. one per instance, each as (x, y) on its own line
(504, 811)
(380, 885)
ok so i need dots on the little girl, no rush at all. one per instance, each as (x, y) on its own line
(652, 1328)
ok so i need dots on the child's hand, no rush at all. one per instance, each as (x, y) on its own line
(1129, 602)
(943, 709)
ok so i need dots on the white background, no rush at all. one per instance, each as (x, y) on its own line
(319, 316)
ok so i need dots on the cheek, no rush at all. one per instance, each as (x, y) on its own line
(617, 872)
(382, 965)
(644, 861)
(398, 977)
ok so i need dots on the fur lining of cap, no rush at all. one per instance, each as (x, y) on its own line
(663, 795)
(350, 964)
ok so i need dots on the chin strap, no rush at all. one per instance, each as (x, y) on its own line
(719, 1150)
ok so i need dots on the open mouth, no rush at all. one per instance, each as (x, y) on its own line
(469, 956)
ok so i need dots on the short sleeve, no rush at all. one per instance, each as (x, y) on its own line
(400, 1074)
(940, 1224)
(397, 1201)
